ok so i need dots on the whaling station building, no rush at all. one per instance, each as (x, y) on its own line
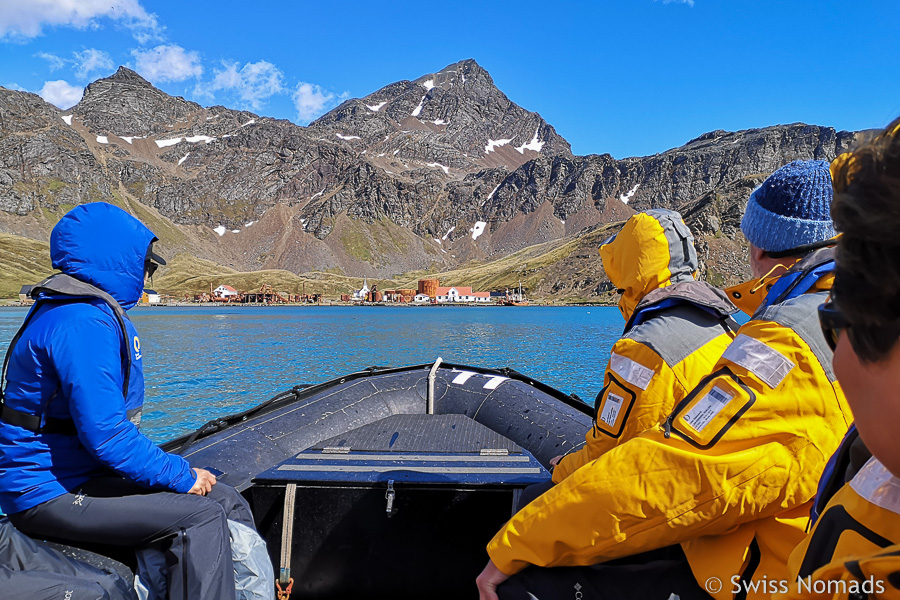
(429, 291)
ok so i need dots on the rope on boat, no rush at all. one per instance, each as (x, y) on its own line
(287, 540)
(222, 422)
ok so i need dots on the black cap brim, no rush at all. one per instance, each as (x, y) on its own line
(156, 258)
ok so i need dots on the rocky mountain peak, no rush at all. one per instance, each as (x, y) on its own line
(126, 104)
(125, 75)
(454, 119)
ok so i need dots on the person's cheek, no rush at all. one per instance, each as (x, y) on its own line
(847, 368)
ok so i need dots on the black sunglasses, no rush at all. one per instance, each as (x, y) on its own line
(832, 322)
(871, 342)
(150, 267)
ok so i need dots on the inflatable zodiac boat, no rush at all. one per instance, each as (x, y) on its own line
(389, 482)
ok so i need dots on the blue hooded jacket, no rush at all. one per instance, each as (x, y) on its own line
(68, 365)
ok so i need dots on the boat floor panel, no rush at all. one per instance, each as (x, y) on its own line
(449, 433)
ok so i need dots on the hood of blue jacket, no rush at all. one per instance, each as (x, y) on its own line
(103, 245)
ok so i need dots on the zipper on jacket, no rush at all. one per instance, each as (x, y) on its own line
(668, 428)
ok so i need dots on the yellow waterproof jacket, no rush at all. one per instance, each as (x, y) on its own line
(677, 329)
(729, 476)
(861, 520)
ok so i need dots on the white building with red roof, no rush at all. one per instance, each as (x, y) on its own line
(224, 291)
(461, 294)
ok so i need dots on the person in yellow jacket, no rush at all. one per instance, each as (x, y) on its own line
(676, 329)
(853, 549)
(718, 494)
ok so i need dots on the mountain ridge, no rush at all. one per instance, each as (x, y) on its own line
(427, 175)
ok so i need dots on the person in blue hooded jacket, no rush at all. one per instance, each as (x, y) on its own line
(73, 464)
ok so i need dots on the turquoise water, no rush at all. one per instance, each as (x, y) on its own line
(204, 362)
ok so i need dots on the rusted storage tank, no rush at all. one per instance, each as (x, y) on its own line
(428, 287)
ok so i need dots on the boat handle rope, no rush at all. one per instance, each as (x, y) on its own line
(287, 539)
(431, 377)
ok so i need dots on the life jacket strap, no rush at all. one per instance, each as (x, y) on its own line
(66, 286)
(33, 422)
(801, 277)
(692, 293)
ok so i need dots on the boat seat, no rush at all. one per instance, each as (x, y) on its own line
(423, 449)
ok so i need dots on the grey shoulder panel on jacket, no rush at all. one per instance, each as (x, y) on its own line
(677, 332)
(801, 314)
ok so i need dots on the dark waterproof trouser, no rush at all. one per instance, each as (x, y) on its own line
(31, 570)
(191, 530)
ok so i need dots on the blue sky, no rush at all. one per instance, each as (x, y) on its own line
(628, 77)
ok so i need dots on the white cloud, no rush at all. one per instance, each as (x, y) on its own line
(311, 101)
(56, 63)
(253, 83)
(61, 94)
(92, 60)
(688, 2)
(27, 19)
(167, 63)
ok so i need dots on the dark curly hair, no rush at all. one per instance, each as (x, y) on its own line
(866, 210)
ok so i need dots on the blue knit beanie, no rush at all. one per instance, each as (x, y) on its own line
(791, 208)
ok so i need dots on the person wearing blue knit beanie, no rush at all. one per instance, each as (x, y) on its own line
(791, 208)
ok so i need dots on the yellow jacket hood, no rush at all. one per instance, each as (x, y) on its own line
(654, 249)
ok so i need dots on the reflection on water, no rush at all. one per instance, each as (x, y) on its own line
(205, 362)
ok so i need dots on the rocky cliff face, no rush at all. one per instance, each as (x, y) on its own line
(44, 163)
(422, 174)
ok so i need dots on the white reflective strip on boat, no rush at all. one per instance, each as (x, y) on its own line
(418, 457)
(388, 468)
(463, 377)
(494, 382)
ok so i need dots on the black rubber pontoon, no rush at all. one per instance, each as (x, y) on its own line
(399, 477)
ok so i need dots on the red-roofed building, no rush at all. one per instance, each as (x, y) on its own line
(224, 291)
(461, 294)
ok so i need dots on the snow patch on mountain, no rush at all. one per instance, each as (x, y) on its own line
(434, 164)
(102, 139)
(428, 84)
(535, 144)
(416, 111)
(183, 158)
(495, 144)
(220, 230)
(67, 119)
(167, 143)
(375, 107)
(478, 229)
(348, 137)
(626, 197)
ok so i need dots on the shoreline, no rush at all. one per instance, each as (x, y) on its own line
(207, 305)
